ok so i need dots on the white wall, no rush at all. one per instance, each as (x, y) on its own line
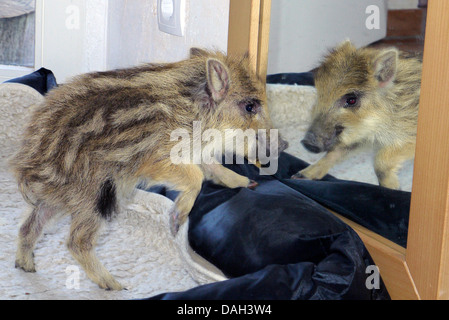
(89, 35)
(74, 36)
(134, 36)
(302, 30)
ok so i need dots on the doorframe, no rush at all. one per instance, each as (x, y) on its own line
(248, 32)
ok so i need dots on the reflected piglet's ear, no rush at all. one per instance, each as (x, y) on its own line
(385, 66)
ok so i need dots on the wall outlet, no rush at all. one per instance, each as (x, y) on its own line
(171, 16)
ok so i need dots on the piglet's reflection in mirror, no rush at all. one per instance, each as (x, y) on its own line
(365, 96)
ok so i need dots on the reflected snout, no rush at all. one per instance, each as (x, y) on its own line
(312, 143)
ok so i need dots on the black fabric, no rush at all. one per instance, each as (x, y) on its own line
(279, 242)
(303, 78)
(382, 210)
(43, 80)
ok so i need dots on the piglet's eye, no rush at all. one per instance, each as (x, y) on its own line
(250, 107)
(350, 101)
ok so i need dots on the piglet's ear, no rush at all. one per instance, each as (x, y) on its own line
(385, 66)
(217, 79)
(345, 45)
(197, 52)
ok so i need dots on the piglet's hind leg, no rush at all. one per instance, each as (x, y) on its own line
(29, 233)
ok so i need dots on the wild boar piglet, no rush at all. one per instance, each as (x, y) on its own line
(98, 136)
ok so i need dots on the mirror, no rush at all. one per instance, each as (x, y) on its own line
(302, 33)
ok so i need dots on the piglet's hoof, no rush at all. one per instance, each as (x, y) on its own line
(298, 176)
(252, 184)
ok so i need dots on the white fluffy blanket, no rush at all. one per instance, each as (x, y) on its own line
(136, 246)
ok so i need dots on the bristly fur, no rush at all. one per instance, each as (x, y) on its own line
(384, 85)
(96, 137)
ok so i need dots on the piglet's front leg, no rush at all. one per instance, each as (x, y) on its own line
(319, 169)
(188, 181)
(228, 178)
(185, 178)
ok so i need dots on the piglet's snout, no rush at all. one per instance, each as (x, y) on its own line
(311, 142)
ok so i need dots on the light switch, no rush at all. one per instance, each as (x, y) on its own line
(171, 16)
(167, 9)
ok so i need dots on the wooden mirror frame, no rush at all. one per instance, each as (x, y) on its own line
(422, 270)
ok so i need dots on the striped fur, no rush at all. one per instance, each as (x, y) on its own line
(96, 137)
